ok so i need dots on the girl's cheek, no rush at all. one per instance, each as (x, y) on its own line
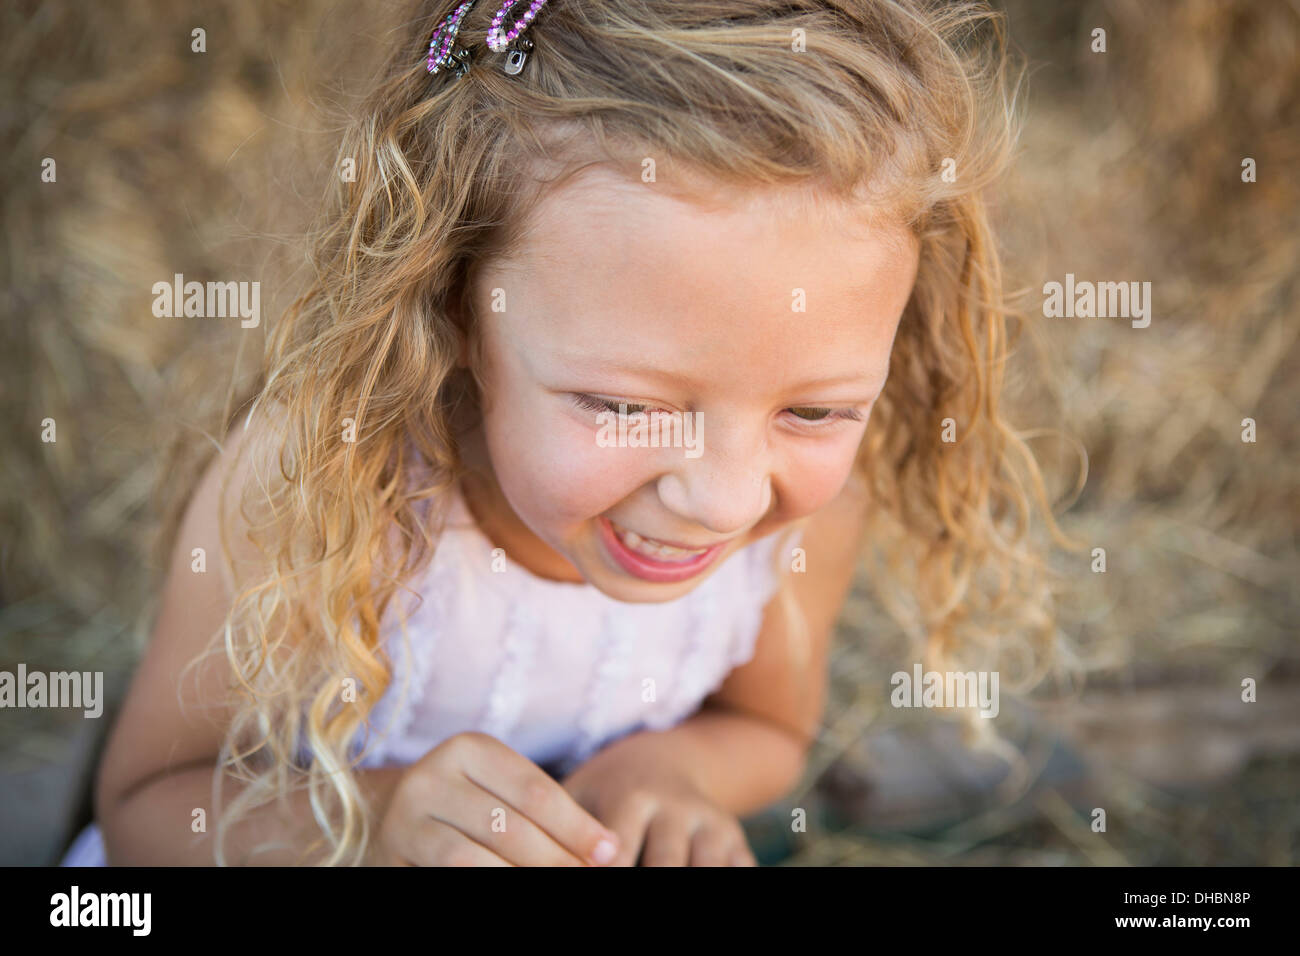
(557, 467)
(582, 481)
(811, 477)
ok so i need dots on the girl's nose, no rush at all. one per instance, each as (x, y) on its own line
(725, 493)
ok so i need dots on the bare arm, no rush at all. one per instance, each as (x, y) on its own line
(160, 762)
(152, 826)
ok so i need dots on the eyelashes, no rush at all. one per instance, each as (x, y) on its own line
(593, 404)
(825, 414)
(810, 415)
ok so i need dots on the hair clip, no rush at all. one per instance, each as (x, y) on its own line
(443, 51)
(499, 40)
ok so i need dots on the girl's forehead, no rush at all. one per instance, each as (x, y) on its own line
(639, 277)
(706, 195)
(603, 220)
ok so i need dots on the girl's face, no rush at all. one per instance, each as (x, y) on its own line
(755, 337)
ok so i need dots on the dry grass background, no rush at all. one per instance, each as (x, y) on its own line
(171, 161)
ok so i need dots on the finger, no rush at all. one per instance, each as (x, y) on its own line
(743, 856)
(712, 846)
(488, 820)
(629, 820)
(512, 777)
(667, 841)
(434, 843)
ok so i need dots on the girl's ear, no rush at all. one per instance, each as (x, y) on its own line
(456, 313)
(460, 310)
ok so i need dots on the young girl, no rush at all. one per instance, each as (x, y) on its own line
(559, 470)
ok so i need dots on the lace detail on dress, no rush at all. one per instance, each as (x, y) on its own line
(616, 639)
(676, 690)
(509, 685)
(690, 682)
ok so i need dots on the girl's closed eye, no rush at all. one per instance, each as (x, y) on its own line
(817, 417)
(594, 403)
(807, 415)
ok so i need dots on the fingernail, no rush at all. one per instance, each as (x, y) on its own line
(604, 852)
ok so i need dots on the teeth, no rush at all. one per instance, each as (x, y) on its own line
(656, 550)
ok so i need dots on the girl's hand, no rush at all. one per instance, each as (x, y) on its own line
(658, 812)
(472, 801)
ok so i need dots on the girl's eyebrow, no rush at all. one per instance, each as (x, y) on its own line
(584, 361)
(872, 382)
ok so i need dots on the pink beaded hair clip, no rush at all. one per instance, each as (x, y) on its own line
(444, 53)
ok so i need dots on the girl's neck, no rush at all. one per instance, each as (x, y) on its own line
(498, 521)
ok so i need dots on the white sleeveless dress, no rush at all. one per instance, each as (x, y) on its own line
(555, 670)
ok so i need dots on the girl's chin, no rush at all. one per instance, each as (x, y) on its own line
(631, 590)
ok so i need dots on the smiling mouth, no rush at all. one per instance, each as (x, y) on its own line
(655, 560)
(654, 549)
